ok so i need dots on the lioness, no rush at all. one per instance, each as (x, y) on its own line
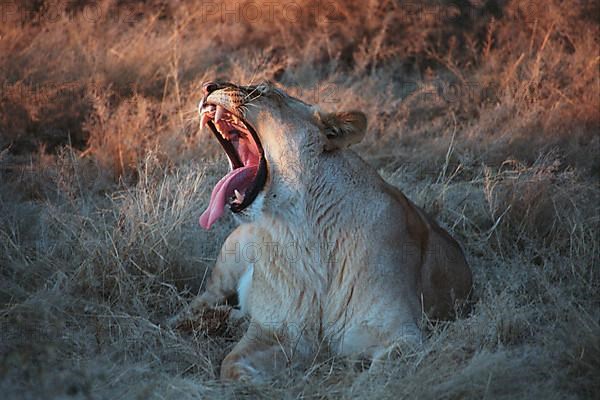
(328, 253)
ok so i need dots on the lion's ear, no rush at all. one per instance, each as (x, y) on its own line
(343, 129)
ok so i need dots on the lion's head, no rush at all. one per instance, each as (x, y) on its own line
(272, 140)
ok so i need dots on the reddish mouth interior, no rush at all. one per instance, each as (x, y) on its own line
(244, 157)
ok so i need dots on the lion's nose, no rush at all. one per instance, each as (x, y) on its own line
(208, 87)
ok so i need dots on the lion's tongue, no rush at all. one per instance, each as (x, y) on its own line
(240, 179)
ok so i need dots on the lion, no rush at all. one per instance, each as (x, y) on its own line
(327, 253)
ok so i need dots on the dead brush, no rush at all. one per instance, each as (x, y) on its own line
(142, 229)
(542, 202)
(120, 135)
(99, 243)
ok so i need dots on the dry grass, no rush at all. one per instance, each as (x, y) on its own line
(486, 115)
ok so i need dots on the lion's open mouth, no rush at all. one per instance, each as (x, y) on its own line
(248, 172)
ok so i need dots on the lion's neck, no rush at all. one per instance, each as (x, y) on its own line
(318, 222)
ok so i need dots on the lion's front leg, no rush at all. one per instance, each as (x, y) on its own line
(257, 357)
(223, 282)
(409, 341)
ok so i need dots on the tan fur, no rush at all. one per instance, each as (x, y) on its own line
(340, 258)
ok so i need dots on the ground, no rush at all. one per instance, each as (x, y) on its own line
(484, 113)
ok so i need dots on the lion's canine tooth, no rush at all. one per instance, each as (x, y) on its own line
(203, 120)
(219, 113)
(238, 196)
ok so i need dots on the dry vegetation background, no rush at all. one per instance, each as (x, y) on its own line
(485, 113)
